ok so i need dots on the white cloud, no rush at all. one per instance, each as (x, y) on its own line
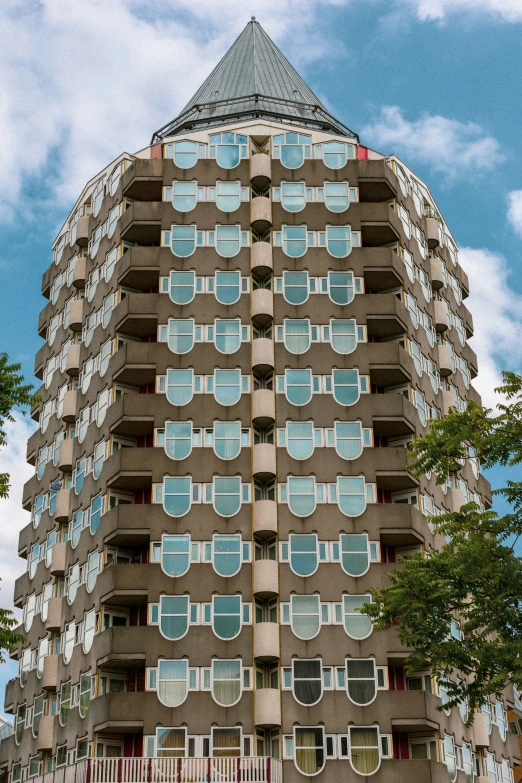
(12, 516)
(497, 318)
(429, 10)
(84, 80)
(515, 210)
(449, 147)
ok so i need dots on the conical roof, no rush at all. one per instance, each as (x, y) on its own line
(253, 79)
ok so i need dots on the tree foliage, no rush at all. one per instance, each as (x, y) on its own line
(14, 394)
(474, 577)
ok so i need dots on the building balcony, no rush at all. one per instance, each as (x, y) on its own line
(141, 222)
(386, 316)
(433, 232)
(263, 407)
(130, 469)
(261, 260)
(131, 415)
(50, 673)
(10, 697)
(440, 316)
(79, 272)
(72, 362)
(42, 354)
(389, 364)
(137, 315)
(262, 306)
(143, 180)
(77, 315)
(263, 355)
(266, 641)
(139, 268)
(58, 558)
(267, 710)
(231, 769)
(444, 362)
(265, 518)
(55, 610)
(266, 578)
(377, 181)
(260, 169)
(129, 524)
(131, 364)
(264, 461)
(70, 402)
(380, 225)
(383, 269)
(125, 584)
(261, 213)
(436, 272)
(65, 459)
(45, 739)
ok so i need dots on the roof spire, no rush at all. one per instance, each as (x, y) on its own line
(253, 79)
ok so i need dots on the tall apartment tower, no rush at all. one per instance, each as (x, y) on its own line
(248, 321)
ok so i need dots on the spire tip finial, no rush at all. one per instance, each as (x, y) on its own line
(252, 18)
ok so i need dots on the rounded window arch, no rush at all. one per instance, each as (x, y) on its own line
(172, 685)
(307, 681)
(309, 749)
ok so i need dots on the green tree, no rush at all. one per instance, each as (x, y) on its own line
(474, 577)
(14, 394)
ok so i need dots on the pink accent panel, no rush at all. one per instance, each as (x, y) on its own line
(405, 751)
(156, 152)
(362, 152)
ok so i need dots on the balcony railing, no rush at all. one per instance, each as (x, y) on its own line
(233, 769)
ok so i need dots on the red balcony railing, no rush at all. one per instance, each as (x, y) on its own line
(233, 769)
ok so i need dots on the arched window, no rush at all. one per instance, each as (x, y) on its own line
(293, 196)
(177, 495)
(65, 702)
(355, 553)
(356, 625)
(33, 559)
(175, 554)
(351, 495)
(38, 710)
(92, 570)
(85, 694)
(309, 745)
(184, 195)
(348, 438)
(227, 335)
(20, 723)
(345, 386)
(227, 495)
(298, 386)
(226, 554)
(69, 638)
(341, 288)
(44, 646)
(172, 683)
(336, 196)
(178, 439)
(174, 616)
(292, 148)
(97, 509)
(343, 335)
(180, 386)
(181, 335)
(228, 148)
(294, 241)
(228, 287)
(182, 287)
(185, 153)
(451, 760)
(228, 240)
(301, 493)
(365, 756)
(89, 629)
(30, 611)
(183, 240)
(305, 617)
(227, 386)
(296, 287)
(361, 681)
(228, 195)
(335, 153)
(227, 439)
(73, 581)
(76, 527)
(300, 439)
(338, 241)
(307, 681)
(303, 553)
(226, 616)
(226, 681)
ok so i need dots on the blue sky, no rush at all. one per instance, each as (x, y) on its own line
(435, 81)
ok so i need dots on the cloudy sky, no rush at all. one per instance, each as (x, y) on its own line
(435, 81)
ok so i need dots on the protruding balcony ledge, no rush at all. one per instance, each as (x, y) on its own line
(267, 708)
(265, 518)
(141, 222)
(386, 316)
(263, 354)
(266, 641)
(379, 224)
(383, 269)
(261, 213)
(377, 181)
(132, 364)
(440, 316)
(263, 406)
(260, 169)
(433, 232)
(137, 315)
(266, 578)
(261, 260)
(143, 180)
(132, 416)
(262, 306)
(139, 268)
(436, 272)
(79, 272)
(76, 317)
